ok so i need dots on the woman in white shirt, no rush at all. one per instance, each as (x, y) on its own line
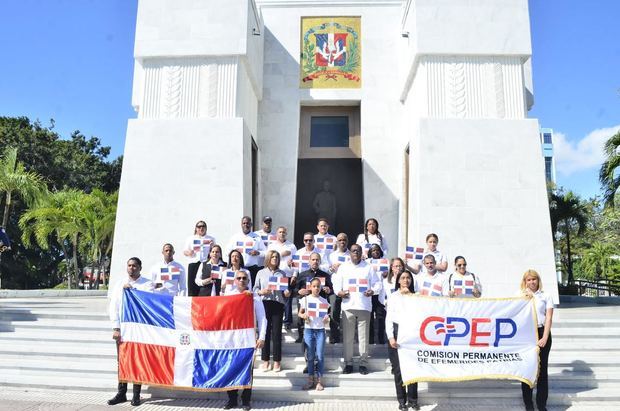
(372, 235)
(441, 262)
(408, 394)
(209, 286)
(197, 249)
(531, 286)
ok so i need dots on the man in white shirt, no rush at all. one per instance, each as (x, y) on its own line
(169, 277)
(265, 232)
(338, 257)
(323, 240)
(241, 286)
(138, 282)
(430, 281)
(356, 283)
(250, 245)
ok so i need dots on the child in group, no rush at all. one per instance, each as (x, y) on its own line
(431, 248)
(314, 310)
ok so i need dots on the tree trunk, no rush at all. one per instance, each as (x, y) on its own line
(7, 207)
(570, 279)
(67, 259)
(75, 257)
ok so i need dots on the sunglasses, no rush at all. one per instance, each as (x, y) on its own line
(308, 240)
(242, 278)
(201, 226)
(461, 265)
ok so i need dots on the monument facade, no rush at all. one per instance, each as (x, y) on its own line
(411, 112)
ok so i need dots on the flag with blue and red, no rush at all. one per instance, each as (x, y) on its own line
(358, 285)
(169, 273)
(414, 253)
(278, 283)
(216, 272)
(432, 289)
(464, 287)
(200, 243)
(380, 265)
(317, 310)
(245, 246)
(195, 343)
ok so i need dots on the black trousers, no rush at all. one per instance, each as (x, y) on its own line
(273, 312)
(246, 396)
(542, 386)
(407, 394)
(334, 318)
(122, 386)
(377, 314)
(192, 269)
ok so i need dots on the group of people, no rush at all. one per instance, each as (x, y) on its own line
(348, 288)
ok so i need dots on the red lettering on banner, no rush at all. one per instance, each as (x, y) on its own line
(423, 326)
(475, 333)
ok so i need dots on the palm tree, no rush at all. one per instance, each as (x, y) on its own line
(55, 215)
(609, 175)
(14, 179)
(568, 213)
(598, 261)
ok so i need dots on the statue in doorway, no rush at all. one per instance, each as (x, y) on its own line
(325, 204)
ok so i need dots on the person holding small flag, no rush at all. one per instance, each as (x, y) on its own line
(272, 285)
(302, 288)
(138, 282)
(314, 311)
(339, 256)
(197, 249)
(250, 245)
(356, 283)
(378, 308)
(372, 235)
(286, 249)
(241, 282)
(235, 263)
(431, 282)
(169, 277)
(441, 264)
(265, 233)
(462, 283)
(407, 395)
(210, 278)
(323, 240)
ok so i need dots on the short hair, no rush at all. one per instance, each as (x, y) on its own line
(137, 260)
(430, 257)
(279, 227)
(309, 233)
(322, 219)
(531, 273)
(343, 234)
(270, 254)
(432, 235)
(355, 245)
(316, 254)
(246, 217)
(164, 246)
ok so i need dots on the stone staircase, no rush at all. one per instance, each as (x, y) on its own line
(65, 344)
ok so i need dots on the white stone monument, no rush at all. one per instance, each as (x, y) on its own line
(437, 122)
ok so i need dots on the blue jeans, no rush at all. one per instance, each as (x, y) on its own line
(315, 341)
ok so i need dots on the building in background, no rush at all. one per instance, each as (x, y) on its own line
(410, 112)
(546, 141)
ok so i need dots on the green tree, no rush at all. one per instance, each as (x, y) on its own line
(609, 175)
(597, 261)
(569, 215)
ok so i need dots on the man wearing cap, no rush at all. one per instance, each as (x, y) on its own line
(265, 232)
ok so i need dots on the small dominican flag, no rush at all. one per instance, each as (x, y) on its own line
(414, 253)
(317, 310)
(195, 343)
(301, 262)
(308, 283)
(268, 239)
(344, 259)
(432, 289)
(464, 287)
(325, 243)
(380, 264)
(278, 283)
(216, 272)
(228, 277)
(200, 243)
(245, 246)
(169, 273)
(358, 285)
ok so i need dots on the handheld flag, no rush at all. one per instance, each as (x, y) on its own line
(169, 273)
(317, 310)
(358, 285)
(432, 289)
(278, 283)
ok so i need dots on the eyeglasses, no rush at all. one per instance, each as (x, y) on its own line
(242, 278)
(308, 240)
(201, 226)
(356, 251)
(461, 265)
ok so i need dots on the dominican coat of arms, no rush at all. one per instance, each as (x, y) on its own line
(331, 52)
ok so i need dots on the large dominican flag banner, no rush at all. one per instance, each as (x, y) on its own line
(195, 343)
(456, 339)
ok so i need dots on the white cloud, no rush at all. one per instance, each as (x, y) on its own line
(584, 154)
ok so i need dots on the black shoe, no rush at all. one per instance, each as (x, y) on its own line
(135, 401)
(305, 371)
(118, 398)
(287, 327)
(230, 404)
(413, 404)
(402, 407)
(298, 340)
(363, 370)
(246, 406)
(348, 369)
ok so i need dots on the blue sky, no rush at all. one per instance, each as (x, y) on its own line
(71, 60)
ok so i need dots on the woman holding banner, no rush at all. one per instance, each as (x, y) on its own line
(408, 394)
(272, 285)
(531, 286)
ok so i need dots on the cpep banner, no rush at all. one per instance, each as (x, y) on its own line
(454, 339)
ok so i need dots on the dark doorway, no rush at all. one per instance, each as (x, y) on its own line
(345, 187)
